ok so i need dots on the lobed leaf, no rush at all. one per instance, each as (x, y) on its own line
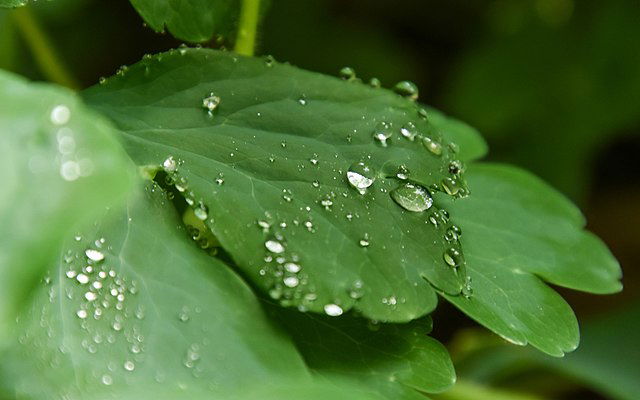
(517, 233)
(262, 151)
(60, 165)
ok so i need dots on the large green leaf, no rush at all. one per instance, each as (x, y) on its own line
(400, 361)
(190, 20)
(270, 163)
(133, 304)
(517, 233)
(60, 164)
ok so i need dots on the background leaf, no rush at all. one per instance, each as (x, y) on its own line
(517, 232)
(190, 20)
(60, 165)
(270, 164)
(131, 304)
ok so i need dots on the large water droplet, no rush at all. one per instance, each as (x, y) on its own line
(94, 255)
(170, 164)
(407, 89)
(60, 114)
(201, 212)
(412, 197)
(333, 310)
(409, 131)
(291, 281)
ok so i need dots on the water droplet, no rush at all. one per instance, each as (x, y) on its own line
(455, 167)
(347, 73)
(364, 242)
(357, 290)
(452, 187)
(82, 279)
(90, 296)
(431, 145)
(71, 274)
(422, 113)
(102, 80)
(269, 61)
(82, 314)
(315, 184)
(382, 133)
(292, 267)
(453, 257)
(129, 365)
(170, 164)
(70, 170)
(333, 310)
(375, 83)
(360, 176)
(291, 281)
(409, 131)
(201, 212)
(403, 173)
(60, 115)
(107, 380)
(183, 315)
(453, 233)
(274, 246)
(412, 197)
(407, 89)
(211, 102)
(94, 255)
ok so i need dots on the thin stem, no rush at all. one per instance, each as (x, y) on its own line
(465, 390)
(249, 15)
(43, 52)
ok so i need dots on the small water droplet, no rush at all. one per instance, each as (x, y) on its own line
(412, 197)
(107, 380)
(129, 365)
(409, 131)
(407, 89)
(269, 60)
(274, 246)
(82, 314)
(333, 310)
(431, 145)
(455, 167)
(453, 257)
(170, 164)
(302, 100)
(90, 296)
(347, 73)
(291, 281)
(453, 233)
(82, 279)
(403, 173)
(60, 114)
(211, 102)
(375, 83)
(201, 212)
(382, 133)
(292, 267)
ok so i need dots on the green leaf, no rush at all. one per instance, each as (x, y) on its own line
(517, 232)
(270, 163)
(60, 165)
(400, 361)
(13, 3)
(131, 304)
(472, 145)
(190, 20)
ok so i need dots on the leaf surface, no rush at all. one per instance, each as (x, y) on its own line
(269, 164)
(190, 20)
(60, 164)
(133, 304)
(517, 232)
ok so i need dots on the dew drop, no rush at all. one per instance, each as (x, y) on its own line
(412, 197)
(409, 131)
(82, 314)
(453, 233)
(291, 281)
(94, 255)
(453, 257)
(82, 279)
(107, 380)
(60, 115)
(382, 133)
(274, 246)
(431, 145)
(360, 176)
(347, 73)
(375, 83)
(333, 310)
(292, 267)
(211, 102)
(129, 365)
(90, 296)
(407, 89)
(201, 212)
(170, 164)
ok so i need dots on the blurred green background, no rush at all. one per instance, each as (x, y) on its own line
(553, 85)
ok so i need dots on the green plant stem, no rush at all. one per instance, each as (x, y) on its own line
(465, 390)
(249, 15)
(43, 52)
